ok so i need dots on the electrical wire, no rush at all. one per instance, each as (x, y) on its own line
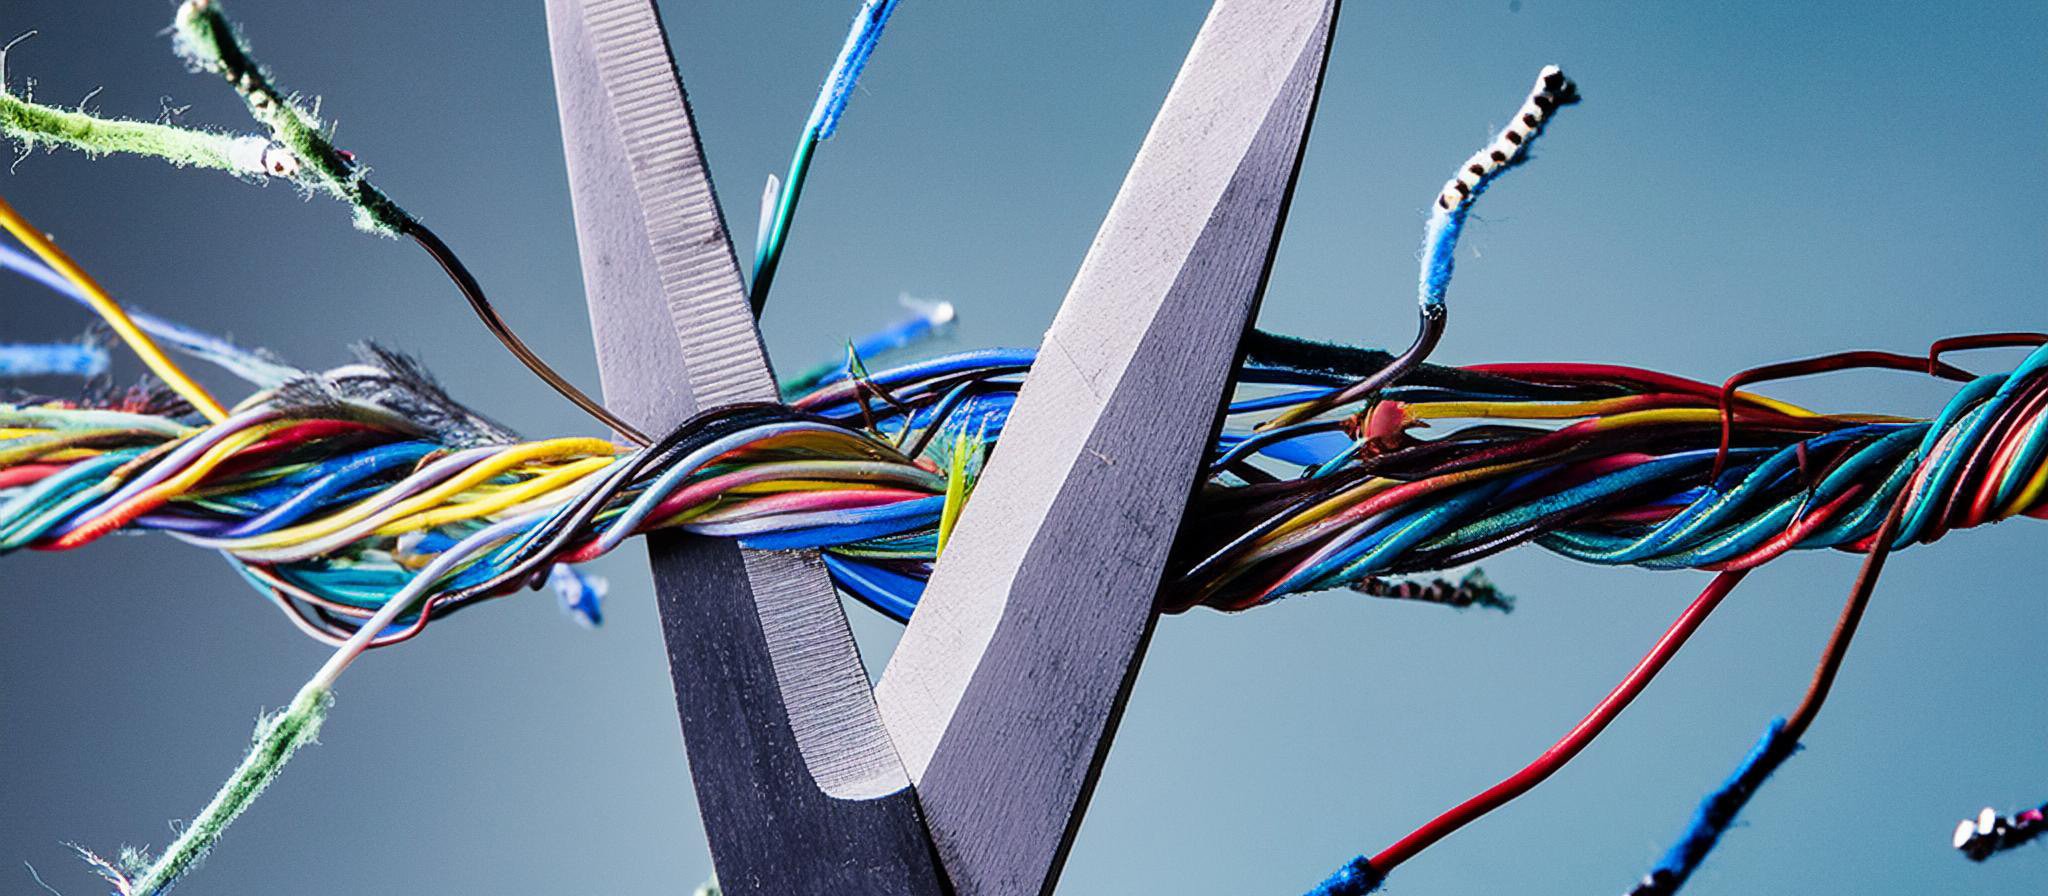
(111, 312)
(1365, 876)
(474, 294)
(306, 480)
(1718, 811)
(364, 503)
(1440, 236)
(860, 44)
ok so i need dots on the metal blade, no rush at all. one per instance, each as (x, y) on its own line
(799, 786)
(1006, 688)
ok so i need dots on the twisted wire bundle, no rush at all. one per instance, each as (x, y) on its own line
(331, 494)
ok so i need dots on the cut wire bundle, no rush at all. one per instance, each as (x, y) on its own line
(332, 493)
(359, 520)
(366, 503)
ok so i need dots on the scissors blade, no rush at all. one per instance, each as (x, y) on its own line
(1005, 690)
(799, 786)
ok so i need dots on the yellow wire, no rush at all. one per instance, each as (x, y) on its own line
(111, 312)
(785, 486)
(771, 486)
(498, 464)
(190, 476)
(30, 448)
(1783, 407)
(956, 492)
(1497, 410)
(2031, 495)
(70, 455)
(685, 515)
(498, 500)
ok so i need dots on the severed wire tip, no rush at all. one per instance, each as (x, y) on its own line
(1440, 236)
(1474, 590)
(581, 596)
(938, 313)
(81, 359)
(1552, 91)
(1990, 833)
(771, 198)
(853, 58)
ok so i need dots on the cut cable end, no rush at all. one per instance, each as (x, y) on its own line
(1553, 90)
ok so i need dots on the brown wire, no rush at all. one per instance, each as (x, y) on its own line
(1845, 625)
(475, 294)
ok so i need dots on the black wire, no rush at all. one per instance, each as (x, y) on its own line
(690, 435)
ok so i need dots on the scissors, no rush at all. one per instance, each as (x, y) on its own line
(967, 769)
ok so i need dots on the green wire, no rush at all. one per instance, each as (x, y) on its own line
(768, 255)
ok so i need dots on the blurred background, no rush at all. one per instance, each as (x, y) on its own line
(1745, 182)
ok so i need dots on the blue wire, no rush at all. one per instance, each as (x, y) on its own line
(240, 361)
(893, 594)
(330, 480)
(860, 524)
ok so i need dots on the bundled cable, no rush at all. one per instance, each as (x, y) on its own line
(366, 503)
(334, 491)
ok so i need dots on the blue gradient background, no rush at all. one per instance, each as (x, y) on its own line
(1745, 182)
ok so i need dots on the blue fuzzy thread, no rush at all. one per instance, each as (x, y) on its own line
(581, 596)
(53, 359)
(1357, 878)
(1440, 247)
(860, 44)
(1717, 812)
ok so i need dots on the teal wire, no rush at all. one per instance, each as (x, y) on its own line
(824, 120)
(769, 255)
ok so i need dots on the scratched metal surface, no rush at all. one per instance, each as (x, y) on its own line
(799, 786)
(1006, 688)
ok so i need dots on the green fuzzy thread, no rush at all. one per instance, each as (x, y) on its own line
(277, 737)
(35, 124)
(708, 888)
(207, 40)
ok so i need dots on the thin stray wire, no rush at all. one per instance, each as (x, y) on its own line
(473, 292)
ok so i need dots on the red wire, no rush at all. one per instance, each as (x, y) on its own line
(1854, 360)
(1983, 506)
(1798, 531)
(294, 436)
(27, 473)
(1575, 740)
